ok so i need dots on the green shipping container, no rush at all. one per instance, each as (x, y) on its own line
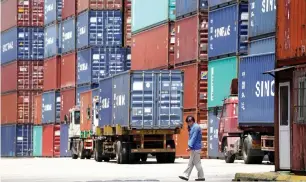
(37, 141)
(148, 13)
(220, 75)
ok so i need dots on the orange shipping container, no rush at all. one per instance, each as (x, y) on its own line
(37, 109)
(84, 5)
(128, 23)
(291, 30)
(68, 67)
(67, 102)
(86, 108)
(52, 73)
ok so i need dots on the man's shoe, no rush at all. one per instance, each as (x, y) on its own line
(200, 179)
(183, 178)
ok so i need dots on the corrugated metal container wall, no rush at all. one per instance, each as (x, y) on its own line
(8, 140)
(127, 23)
(230, 25)
(156, 12)
(262, 15)
(37, 109)
(51, 141)
(187, 7)
(18, 107)
(68, 70)
(221, 72)
(53, 11)
(52, 73)
(99, 28)
(106, 99)
(212, 3)
(68, 35)
(67, 102)
(26, 43)
(153, 48)
(97, 63)
(213, 139)
(191, 38)
(51, 107)
(37, 13)
(298, 147)
(291, 34)
(68, 8)
(84, 5)
(64, 138)
(261, 46)
(22, 75)
(37, 141)
(52, 40)
(85, 105)
(256, 91)
(81, 89)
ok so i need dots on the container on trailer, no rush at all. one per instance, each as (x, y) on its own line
(17, 107)
(64, 138)
(69, 8)
(213, 140)
(291, 38)
(51, 141)
(81, 89)
(68, 35)
(22, 43)
(52, 40)
(85, 106)
(256, 90)
(220, 75)
(37, 141)
(16, 140)
(52, 73)
(99, 28)
(156, 12)
(83, 5)
(37, 109)
(262, 16)
(51, 107)
(230, 25)
(127, 23)
(96, 63)
(154, 48)
(68, 70)
(67, 102)
(195, 85)
(22, 75)
(191, 38)
(262, 46)
(53, 11)
(216, 3)
(188, 7)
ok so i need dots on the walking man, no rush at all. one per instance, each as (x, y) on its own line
(194, 147)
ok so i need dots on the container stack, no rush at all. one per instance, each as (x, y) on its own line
(22, 46)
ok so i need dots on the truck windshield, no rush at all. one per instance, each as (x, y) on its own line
(77, 117)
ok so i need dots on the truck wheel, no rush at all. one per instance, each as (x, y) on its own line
(144, 157)
(228, 157)
(122, 153)
(271, 157)
(97, 157)
(161, 158)
(170, 157)
(81, 150)
(106, 159)
(246, 152)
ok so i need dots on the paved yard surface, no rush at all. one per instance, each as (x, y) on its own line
(68, 170)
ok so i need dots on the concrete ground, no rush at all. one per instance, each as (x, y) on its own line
(68, 170)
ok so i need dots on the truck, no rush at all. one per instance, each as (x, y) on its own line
(246, 127)
(129, 116)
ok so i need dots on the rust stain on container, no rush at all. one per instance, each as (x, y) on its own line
(291, 30)
(67, 102)
(153, 48)
(52, 73)
(69, 8)
(68, 67)
(86, 109)
(299, 147)
(128, 23)
(37, 109)
(191, 38)
(83, 5)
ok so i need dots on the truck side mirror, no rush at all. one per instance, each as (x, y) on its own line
(216, 111)
(66, 118)
(88, 113)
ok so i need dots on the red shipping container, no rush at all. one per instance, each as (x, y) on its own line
(22, 75)
(291, 29)
(154, 48)
(17, 107)
(84, 5)
(128, 23)
(68, 67)
(52, 73)
(37, 109)
(298, 147)
(85, 105)
(191, 38)
(51, 141)
(69, 8)
(67, 102)
(37, 13)
(195, 85)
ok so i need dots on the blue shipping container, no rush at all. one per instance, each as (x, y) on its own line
(256, 91)
(97, 63)
(26, 43)
(212, 3)
(52, 41)
(213, 140)
(16, 140)
(184, 7)
(230, 25)
(53, 11)
(51, 107)
(99, 28)
(64, 137)
(262, 17)
(262, 46)
(68, 35)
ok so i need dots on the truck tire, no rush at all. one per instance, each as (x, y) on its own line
(97, 157)
(97, 153)
(81, 150)
(228, 157)
(271, 157)
(161, 158)
(143, 157)
(170, 157)
(247, 150)
(122, 153)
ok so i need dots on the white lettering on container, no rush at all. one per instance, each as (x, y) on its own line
(105, 103)
(49, 40)
(223, 31)
(8, 46)
(83, 67)
(268, 6)
(212, 84)
(48, 8)
(67, 35)
(82, 30)
(264, 88)
(119, 100)
(47, 107)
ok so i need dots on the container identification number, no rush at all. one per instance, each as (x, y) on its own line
(7, 46)
(83, 67)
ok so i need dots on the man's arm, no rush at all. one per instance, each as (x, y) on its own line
(194, 133)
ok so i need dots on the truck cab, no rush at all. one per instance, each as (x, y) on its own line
(74, 122)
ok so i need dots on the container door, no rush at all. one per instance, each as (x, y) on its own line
(284, 125)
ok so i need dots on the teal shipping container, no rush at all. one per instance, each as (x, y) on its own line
(220, 75)
(148, 13)
(37, 141)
